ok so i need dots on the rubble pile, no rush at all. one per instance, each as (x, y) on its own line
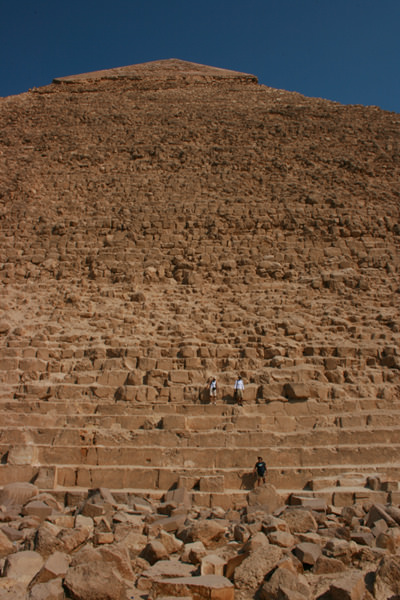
(94, 546)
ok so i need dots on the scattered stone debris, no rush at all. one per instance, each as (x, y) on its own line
(104, 548)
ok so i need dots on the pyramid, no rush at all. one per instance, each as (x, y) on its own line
(166, 223)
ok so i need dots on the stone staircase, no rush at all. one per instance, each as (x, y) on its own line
(127, 417)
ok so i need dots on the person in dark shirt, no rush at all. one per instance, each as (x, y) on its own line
(260, 469)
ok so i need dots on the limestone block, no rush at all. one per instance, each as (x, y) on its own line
(132, 478)
(52, 589)
(284, 583)
(348, 587)
(23, 566)
(271, 391)
(146, 364)
(212, 564)
(8, 364)
(317, 504)
(193, 363)
(211, 483)
(179, 376)
(285, 423)
(22, 455)
(376, 513)
(169, 422)
(307, 553)
(156, 378)
(55, 566)
(299, 520)
(267, 496)
(175, 393)
(297, 391)
(32, 364)
(283, 539)
(6, 545)
(170, 542)
(154, 551)
(194, 552)
(325, 564)
(394, 498)
(188, 352)
(206, 531)
(251, 572)
(250, 393)
(168, 478)
(202, 587)
(18, 493)
(340, 549)
(172, 523)
(164, 364)
(94, 575)
(37, 508)
(387, 578)
(46, 478)
(112, 378)
(225, 501)
(343, 498)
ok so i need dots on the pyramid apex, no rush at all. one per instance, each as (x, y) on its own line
(171, 68)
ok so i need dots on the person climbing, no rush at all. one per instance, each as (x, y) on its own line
(260, 469)
(238, 390)
(213, 391)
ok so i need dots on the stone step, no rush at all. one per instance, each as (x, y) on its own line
(87, 435)
(210, 458)
(161, 479)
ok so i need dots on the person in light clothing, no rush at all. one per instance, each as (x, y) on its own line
(213, 391)
(238, 390)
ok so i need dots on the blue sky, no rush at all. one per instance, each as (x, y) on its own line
(343, 50)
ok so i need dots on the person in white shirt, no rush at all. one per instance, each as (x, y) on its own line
(213, 391)
(238, 390)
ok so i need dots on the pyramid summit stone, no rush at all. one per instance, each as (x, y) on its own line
(171, 69)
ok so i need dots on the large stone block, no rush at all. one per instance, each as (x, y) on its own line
(203, 587)
(179, 376)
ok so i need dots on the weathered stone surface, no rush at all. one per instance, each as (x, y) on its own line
(212, 564)
(202, 587)
(348, 587)
(6, 545)
(387, 578)
(23, 566)
(284, 580)
(94, 574)
(38, 508)
(154, 551)
(284, 539)
(299, 520)
(325, 564)
(17, 493)
(205, 530)
(376, 513)
(49, 590)
(266, 496)
(251, 572)
(307, 553)
(54, 567)
(194, 552)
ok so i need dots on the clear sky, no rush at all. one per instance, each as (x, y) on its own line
(343, 50)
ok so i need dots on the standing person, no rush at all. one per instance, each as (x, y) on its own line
(213, 391)
(260, 469)
(238, 390)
